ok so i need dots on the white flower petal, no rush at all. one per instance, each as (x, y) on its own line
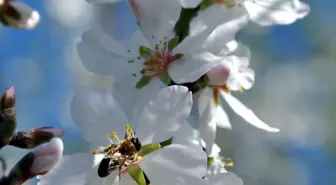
(190, 3)
(215, 150)
(270, 12)
(212, 29)
(229, 22)
(192, 66)
(101, 54)
(156, 17)
(205, 97)
(143, 96)
(208, 127)
(227, 178)
(187, 135)
(111, 17)
(96, 114)
(70, 170)
(175, 164)
(164, 114)
(222, 118)
(246, 113)
(131, 99)
(240, 75)
(217, 166)
(46, 156)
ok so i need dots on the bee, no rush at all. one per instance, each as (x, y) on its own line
(120, 154)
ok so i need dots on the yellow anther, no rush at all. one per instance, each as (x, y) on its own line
(94, 152)
(128, 126)
(240, 90)
(114, 135)
(109, 145)
(139, 157)
(108, 136)
(229, 164)
(129, 133)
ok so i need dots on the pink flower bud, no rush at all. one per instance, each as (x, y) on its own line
(7, 100)
(37, 162)
(35, 137)
(219, 74)
(47, 156)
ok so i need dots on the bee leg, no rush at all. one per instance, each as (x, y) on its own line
(135, 157)
(120, 166)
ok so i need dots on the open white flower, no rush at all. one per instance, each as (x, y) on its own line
(16, 14)
(96, 113)
(270, 12)
(217, 174)
(154, 54)
(231, 75)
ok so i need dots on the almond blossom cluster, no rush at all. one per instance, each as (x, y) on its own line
(158, 124)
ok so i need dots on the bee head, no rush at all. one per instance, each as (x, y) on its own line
(136, 143)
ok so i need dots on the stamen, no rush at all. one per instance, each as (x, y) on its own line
(109, 138)
(240, 90)
(216, 96)
(115, 137)
(225, 89)
(94, 152)
(228, 163)
(129, 131)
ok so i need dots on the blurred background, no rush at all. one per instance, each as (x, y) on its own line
(294, 90)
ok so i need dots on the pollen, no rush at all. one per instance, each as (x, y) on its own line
(139, 158)
(94, 152)
(228, 163)
(114, 135)
(240, 90)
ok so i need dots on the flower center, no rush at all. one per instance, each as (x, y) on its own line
(118, 154)
(157, 61)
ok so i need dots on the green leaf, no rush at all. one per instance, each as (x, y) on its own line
(206, 3)
(144, 51)
(143, 81)
(210, 161)
(147, 149)
(166, 143)
(137, 175)
(173, 43)
(165, 78)
(183, 24)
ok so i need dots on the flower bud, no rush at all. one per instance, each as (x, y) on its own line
(35, 137)
(16, 14)
(7, 116)
(38, 162)
(219, 74)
